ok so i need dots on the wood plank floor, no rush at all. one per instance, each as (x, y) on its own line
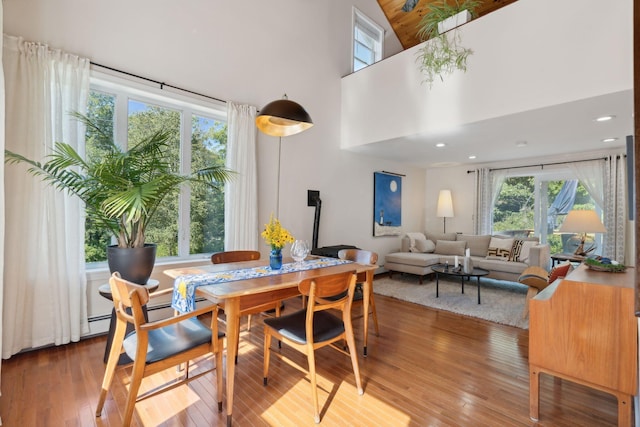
(427, 368)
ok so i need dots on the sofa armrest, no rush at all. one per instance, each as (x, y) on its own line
(540, 255)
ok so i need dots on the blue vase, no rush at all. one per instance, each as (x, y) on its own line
(275, 259)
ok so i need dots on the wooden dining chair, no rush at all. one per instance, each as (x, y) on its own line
(315, 327)
(368, 258)
(158, 345)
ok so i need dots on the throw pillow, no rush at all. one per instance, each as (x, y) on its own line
(500, 247)
(560, 271)
(525, 250)
(448, 247)
(425, 246)
(514, 254)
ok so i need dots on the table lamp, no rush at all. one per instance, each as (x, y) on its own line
(582, 222)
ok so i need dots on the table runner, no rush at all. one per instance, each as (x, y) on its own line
(184, 287)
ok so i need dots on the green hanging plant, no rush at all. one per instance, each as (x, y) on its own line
(443, 54)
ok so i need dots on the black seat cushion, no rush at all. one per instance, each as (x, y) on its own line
(325, 326)
(171, 340)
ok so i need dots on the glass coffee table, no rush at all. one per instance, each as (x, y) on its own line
(447, 270)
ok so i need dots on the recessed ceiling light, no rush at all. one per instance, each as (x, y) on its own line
(605, 118)
(609, 139)
(521, 144)
(472, 157)
(440, 144)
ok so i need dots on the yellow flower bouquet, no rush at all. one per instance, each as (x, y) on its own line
(275, 235)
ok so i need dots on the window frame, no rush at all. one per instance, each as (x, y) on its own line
(124, 89)
(360, 20)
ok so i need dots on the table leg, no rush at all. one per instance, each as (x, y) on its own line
(534, 393)
(232, 310)
(437, 284)
(367, 288)
(478, 289)
(462, 280)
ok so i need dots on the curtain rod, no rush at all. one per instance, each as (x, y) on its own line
(161, 84)
(542, 165)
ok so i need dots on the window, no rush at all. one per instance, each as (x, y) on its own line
(188, 223)
(367, 41)
(537, 205)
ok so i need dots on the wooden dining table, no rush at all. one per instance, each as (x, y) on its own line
(248, 296)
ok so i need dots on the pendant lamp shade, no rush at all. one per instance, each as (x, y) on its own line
(283, 118)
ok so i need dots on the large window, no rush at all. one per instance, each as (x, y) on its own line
(367, 41)
(190, 222)
(538, 204)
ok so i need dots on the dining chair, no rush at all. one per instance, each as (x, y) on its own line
(362, 257)
(158, 345)
(315, 327)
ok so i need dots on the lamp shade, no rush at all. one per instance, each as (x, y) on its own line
(283, 118)
(445, 204)
(582, 222)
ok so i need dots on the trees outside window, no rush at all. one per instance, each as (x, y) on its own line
(190, 222)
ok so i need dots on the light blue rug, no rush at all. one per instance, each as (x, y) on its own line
(501, 301)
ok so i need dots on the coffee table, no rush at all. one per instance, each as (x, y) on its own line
(448, 270)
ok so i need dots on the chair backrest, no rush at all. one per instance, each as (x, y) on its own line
(234, 256)
(358, 255)
(125, 295)
(318, 289)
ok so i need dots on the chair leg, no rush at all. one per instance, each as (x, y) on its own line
(314, 387)
(136, 379)
(219, 378)
(372, 302)
(112, 363)
(249, 323)
(351, 343)
(267, 354)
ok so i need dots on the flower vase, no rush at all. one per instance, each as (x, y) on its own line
(275, 259)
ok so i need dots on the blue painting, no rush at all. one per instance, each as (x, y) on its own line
(387, 204)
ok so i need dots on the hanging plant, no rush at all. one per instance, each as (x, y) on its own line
(443, 53)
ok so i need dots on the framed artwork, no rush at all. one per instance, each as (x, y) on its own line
(387, 204)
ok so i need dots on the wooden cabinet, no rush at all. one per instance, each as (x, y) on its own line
(583, 329)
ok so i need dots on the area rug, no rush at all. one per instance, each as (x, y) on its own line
(501, 301)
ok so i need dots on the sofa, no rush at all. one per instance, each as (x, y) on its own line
(505, 257)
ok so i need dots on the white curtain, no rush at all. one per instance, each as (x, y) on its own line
(45, 299)
(605, 180)
(241, 193)
(487, 188)
(2, 222)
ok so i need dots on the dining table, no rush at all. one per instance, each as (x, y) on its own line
(240, 297)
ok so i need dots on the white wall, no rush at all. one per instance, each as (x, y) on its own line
(547, 43)
(250, 54)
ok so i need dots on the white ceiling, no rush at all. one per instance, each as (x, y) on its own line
(560, 130)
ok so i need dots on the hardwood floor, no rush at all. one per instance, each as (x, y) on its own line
(426, 368)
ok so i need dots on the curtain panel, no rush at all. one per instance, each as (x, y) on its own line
(45, 301)
(241, 192)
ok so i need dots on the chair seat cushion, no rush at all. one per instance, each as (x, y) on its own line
(170, 340)
(325, 326)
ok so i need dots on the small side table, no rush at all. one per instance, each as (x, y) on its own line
(558, 258)
(105, 291)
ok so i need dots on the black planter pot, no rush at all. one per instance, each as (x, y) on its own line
(133, 264)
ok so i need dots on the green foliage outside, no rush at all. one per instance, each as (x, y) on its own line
(208, 148)
(514, 208)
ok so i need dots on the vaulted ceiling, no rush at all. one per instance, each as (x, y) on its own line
(405, 15)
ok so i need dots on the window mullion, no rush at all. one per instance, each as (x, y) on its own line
(184, 214)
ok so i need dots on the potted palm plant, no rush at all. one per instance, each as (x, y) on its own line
(443, 53)
(121, 189)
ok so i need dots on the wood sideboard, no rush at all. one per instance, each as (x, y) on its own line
(583, 329)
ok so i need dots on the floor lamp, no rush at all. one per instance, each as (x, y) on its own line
(445, 208)
(282, 118)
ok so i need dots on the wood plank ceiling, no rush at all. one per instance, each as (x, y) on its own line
(405, 24)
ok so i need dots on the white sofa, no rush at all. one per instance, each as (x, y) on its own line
(504, 257)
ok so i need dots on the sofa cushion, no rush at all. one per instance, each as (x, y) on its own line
(499, 248)
(502, 265)
(477, 245)
(446, 247)
(434, 237)
(424, 246)
(411, 258)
